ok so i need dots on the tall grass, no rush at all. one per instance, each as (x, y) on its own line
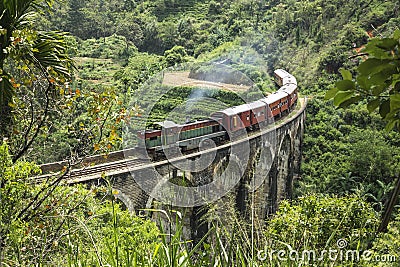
(221, 246)
(232, 239)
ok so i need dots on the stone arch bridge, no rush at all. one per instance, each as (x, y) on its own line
(277, 181)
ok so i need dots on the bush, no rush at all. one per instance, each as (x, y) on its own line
(317, 222)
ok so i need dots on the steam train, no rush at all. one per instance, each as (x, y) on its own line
(225, 123)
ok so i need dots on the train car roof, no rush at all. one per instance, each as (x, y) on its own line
(274, 97)
(289, 80)
(234, 110)
(256, 104)
(167, 124)
(148, 131)
(194, 122)
(281, 73)
(170, 124)
(288, 88)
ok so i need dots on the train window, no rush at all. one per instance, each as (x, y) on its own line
(234, 121)
(153, 138)
(248, 117)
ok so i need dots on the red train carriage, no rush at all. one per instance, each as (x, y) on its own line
(246, 116)
(277, 102)
(234, 119)
(243, 117)
(260, 113)
(282, 77)
(291, 91)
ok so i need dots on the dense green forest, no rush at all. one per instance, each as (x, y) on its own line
(69, 70)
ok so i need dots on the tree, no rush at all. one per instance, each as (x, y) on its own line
(49, 226)
(33, 65)
(316, 222)
(377, 82)
(175, 55)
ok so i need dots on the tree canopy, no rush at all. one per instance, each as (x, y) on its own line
(33, 64)
(377, 80)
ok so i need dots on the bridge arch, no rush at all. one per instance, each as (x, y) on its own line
(259, 183)
(125, 199)
(281, 175)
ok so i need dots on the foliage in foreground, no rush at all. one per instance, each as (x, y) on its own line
(52, 224)
(378, 81)
(74, 226)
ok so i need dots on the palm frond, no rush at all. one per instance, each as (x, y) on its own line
(50, 50)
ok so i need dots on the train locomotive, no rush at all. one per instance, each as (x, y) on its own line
(224, 123)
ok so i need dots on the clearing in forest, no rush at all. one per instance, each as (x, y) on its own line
(182, 79)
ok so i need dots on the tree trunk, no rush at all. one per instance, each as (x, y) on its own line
(389, 207)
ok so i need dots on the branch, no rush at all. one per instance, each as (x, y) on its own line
(54, 184)
(54, 233)
(380, 34)
(104, 122)
(30, 124)
(27, 144)
(389, 208)
(358, 55)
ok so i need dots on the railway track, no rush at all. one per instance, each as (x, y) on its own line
(126, 165)
(108, 168)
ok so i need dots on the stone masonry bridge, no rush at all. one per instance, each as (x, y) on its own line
(279, 167)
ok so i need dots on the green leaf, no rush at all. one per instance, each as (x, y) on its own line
(384, 108)
(377, 90)
(331, 93)
(345, 85)
(350, 101)
(394, 102)
(372, 65)
(387, 43)
(346, 74)
(380, 48)
(341, 97)
(380, 77)
(389, 126)
(396, 35)
(374, 104)
(362, 82)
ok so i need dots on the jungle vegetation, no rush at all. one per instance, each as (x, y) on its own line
(70, 68)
